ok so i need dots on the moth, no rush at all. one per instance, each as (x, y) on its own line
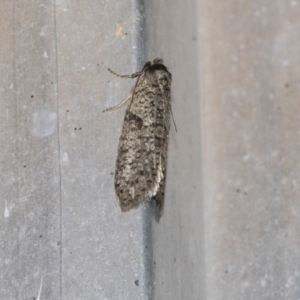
(141, 165)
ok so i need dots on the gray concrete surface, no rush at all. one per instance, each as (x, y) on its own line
(230, 228)
(63, 235)
(178, 240)
(250, 109)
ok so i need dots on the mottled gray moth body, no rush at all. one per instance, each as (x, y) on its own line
(142, 154)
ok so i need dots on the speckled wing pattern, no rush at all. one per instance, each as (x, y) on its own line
(142, 154)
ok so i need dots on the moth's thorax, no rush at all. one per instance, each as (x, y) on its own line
(158, 79)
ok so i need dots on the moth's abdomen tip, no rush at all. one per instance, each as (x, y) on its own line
(125, 208)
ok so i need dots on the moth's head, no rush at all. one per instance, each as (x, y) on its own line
(158, 75)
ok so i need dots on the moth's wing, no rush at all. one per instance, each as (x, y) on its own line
(134, 166)
(161, 137)
(160, 195)
(141, 162)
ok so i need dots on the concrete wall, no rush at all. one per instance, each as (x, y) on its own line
(230, 228)
(250, 116)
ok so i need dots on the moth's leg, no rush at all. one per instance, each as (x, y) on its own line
(125, 76)
(129, 97)
(118, 105)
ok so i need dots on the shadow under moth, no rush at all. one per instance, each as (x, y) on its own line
(140, 173)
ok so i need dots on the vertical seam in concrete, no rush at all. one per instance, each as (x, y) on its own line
(147, 244)
(139, 36)
(59, 152)
(17, 129)
(147, 210)
(202, 113)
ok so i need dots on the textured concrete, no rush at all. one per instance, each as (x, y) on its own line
(30, 239)
(230, 228)
(62, 233)
(178, 239)
(250, 91)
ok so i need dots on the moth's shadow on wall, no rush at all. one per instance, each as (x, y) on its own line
(154, 211)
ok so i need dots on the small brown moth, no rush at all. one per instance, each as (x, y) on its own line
(142, 155)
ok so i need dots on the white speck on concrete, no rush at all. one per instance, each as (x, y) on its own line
(235, 114)
(40, 289)
(6, 210)
(263, 282)
(293, 3)
(286, 62)
(46, 54)
(234, 58)
(43, 31)
(65, 157)
(290, 282)
(43, 122)
(246, 157)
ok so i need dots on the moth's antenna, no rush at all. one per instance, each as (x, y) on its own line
(173, 118)
(124, 76)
